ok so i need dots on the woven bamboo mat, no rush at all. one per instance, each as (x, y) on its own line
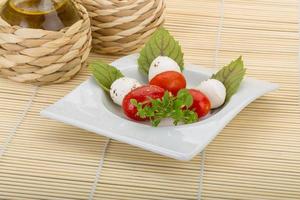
(257, 156)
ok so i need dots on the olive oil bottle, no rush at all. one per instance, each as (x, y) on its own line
(41, 14)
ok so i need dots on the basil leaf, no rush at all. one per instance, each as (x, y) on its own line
(161, 43)
(104, 74)
(231, 76)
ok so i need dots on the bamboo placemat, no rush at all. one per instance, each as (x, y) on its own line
(257, 156)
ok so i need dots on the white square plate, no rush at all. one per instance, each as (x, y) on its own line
(88, 107)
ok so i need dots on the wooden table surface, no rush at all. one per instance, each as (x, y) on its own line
(257, 156)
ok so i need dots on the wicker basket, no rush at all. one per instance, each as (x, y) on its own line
(42, 57)
(121, 26)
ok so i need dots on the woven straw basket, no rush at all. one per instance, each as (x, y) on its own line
(42, 57)
(121, 26)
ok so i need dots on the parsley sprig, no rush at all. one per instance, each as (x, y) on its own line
(175, 107)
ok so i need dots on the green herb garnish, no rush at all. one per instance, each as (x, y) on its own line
(104, 74)
(175, 107)
(231, 76)
(161, 43)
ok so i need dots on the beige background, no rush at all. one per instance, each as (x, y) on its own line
(257, 156)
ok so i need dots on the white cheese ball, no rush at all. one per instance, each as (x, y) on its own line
(162, 64)
(121, 87)
(214, 90)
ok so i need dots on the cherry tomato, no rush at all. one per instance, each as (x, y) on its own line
(169, 80)
(141, 94)
(201, 103)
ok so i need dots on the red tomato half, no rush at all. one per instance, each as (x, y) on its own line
(141, 94)
(169, 80)
(201, 104)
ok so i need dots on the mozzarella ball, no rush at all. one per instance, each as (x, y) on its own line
(121, 87)
(214, 90)
(162, 64)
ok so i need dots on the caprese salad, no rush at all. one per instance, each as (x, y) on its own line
(166, 95)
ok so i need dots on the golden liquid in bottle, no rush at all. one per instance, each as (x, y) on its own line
(43, 14)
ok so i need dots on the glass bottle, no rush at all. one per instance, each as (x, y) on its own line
(41, 14)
